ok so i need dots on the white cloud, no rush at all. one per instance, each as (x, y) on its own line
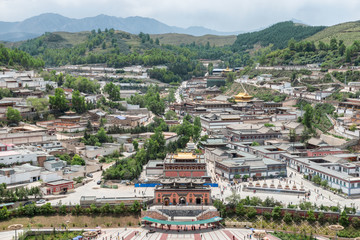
(226, 15)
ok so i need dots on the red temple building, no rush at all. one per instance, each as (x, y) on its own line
(184, 164)
(183, 191)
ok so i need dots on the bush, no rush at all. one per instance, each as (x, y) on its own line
(355, 222)
(310, 216)
(267, 215)
(251, 213)
(287, 218)
(276, 213)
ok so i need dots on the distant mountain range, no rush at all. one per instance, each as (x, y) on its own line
(50, 22)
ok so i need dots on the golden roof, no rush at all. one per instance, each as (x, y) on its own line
(242, 96)
(185, 155)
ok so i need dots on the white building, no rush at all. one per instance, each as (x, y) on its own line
(20, 174)
(17, 156)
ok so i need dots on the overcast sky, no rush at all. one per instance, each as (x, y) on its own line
(221, 15)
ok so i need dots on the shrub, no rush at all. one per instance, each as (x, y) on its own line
(310, 216)
(251, 213)
(355, 222)
(276, 213)
(287, 218)
(267, 215)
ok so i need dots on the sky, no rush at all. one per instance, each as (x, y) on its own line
(225, 15)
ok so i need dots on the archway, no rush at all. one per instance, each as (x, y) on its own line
(198, 201)
(166, 201)
(182, 200)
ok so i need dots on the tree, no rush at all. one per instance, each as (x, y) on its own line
(333, 44)
(308, 116)
(344, 219)
(348, 55)
(78, 102)
(113, 91)
(170, 115)
(324, 183)
(255, 143)
(210, 68)
(4, 213)
(233, 199)
(276, 213)
(311, 216)
(230, 77)
(342, 47)
(89, 126)
(196, 129)
(136, 145)
(355, 222)
(58, 101)
(251, 212)
(13, 116)
(316, 179)
(292, 135)
(39, 104)
(321, 218)
(171, 96)
(135, 207)
(77, 160)
(287, 218)
(102, 136)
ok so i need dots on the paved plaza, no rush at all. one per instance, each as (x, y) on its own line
(143, 234)
(318, 195)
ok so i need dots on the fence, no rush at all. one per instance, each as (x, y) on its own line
(156, 184)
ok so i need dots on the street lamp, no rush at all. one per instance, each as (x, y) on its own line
(15, 227)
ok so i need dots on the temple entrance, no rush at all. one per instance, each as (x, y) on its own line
(198, 201)
(166, 201)
(182, 200)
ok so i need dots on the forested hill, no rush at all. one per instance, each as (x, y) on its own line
(119, 49)
(278, 35)
(18, 59)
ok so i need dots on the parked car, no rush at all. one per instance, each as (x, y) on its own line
(98, 182)
(28, 203)
(41, 201)
(89, 175)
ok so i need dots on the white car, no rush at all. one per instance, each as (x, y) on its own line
(41, 201)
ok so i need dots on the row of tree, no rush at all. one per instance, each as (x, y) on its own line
(47, 209)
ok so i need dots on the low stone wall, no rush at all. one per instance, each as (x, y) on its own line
(153, 214)
(208, 215)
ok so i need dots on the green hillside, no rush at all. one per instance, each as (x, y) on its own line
(178, 39)
(348, 32)
(278, 35)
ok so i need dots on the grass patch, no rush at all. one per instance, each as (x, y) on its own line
(74, 221)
